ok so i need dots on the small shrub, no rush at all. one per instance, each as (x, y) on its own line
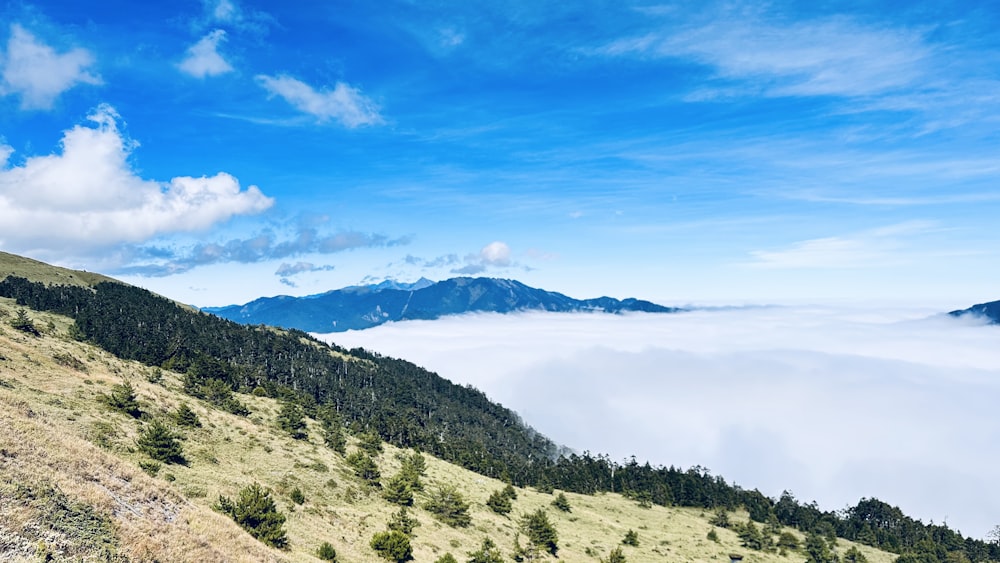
(326, 552)
(720, 518)
(151, 468)
(297, 496)
(446, 558)
(713, 535)
(561, 503)
(616, 556)
(631, 538)
(392, 546)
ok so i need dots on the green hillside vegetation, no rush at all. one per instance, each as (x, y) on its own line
(76, 484)
(187, 392)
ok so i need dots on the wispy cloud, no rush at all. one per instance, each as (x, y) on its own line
(830, 56)
(344, 104)
(203, 58)
(160, 261)
(874, 248)
(750, 394)
(89, 197)
(37, 73)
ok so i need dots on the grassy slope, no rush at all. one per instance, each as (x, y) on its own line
(51, 421)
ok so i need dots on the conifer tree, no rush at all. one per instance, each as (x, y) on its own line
(448, 506)
(562, 503)
(332, 429)
(365, 468)
(256, 513)
(541, 533)
(392, 546)
(159, 443)
(403, 522)
(186, 417)
(631, 538)
(488, 553)
(22, 322)
(499, 502)
(123, 399)
(397, 490)
(291, 420)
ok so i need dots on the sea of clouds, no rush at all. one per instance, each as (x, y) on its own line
(831, 403)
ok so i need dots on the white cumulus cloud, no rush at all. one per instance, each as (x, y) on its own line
(37, 73)
(203, 58)
(87, 196)
(344, 103)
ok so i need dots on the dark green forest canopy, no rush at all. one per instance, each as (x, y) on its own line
(412, 407)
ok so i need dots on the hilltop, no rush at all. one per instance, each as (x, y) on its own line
(361, 307)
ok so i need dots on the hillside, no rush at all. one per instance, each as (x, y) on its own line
(72, 484)
(360, 307)
(254, 383)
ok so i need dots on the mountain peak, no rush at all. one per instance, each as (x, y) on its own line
(361, 307)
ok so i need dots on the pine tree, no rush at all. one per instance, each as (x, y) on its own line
(326, 552)
(541, 533)
(392, 546)
(488, 553)
(22, 322)
(562, 503)
(750, 536)
(631, 538)
(448, 506)
(403, 522)
(499, 502)
(365, 468)
(446, 558)
(123, 399)
(159, 443)
(370, 443)
(397, 490)
(256, 513)
(186, 417)
(332, 429)
(291, 420)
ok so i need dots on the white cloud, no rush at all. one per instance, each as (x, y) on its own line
(494, 255)
(829, 56)
(344, 103)
(875, 248)
(225, 11)
(834, 404)
(38, 74)
(203, 58)
(88, 196)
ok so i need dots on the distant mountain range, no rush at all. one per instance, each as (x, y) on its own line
(361, 307)
(990, 311)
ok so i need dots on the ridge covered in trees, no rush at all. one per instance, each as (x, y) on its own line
(411, 407)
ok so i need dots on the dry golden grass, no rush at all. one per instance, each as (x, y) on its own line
(55, 435)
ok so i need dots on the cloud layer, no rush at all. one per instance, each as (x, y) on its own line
(832, 404)
(88, 196)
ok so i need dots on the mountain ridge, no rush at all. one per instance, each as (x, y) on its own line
(989, 311)
(361, 307)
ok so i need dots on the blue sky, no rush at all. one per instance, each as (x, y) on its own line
(222, 150)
